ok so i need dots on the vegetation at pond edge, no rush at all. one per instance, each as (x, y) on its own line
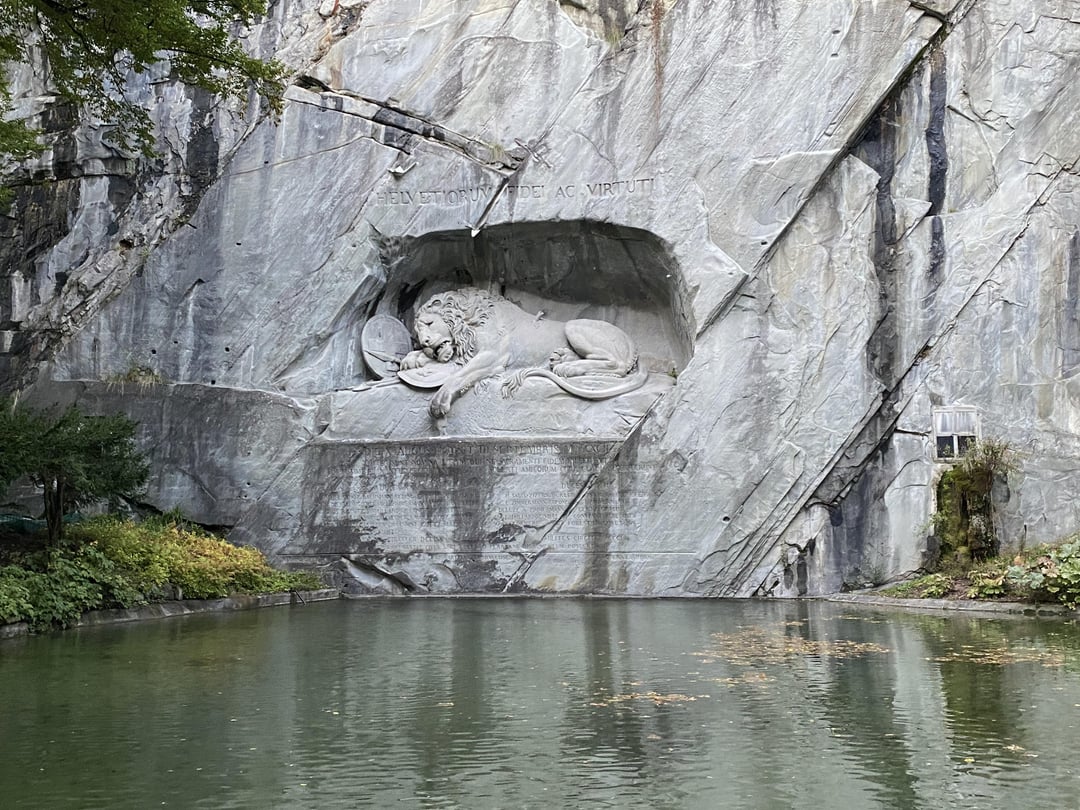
(109, 562)
(968, 565)
(51, 578)
(1043, 574)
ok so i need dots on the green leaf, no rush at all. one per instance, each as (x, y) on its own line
(76, 458)
(92, 47)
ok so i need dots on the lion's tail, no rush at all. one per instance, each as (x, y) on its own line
(512, 383)
(621, 385)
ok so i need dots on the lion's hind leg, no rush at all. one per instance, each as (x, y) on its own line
(602, 347)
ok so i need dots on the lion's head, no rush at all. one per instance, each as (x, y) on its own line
(463, 311)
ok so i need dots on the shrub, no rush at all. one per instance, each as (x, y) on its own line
(201, 565)
(70, 584)
(1051, 574)
(14, 594)
(988, 581)
(211, 567)
(111, 562)
(145, 555)
(930, 586)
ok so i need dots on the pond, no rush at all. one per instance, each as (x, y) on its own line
(500, 703)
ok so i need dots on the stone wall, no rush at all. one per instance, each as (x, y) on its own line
(819, 222)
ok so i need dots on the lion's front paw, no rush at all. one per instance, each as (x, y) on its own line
(561, 355)
(440, 404)
(414, 360)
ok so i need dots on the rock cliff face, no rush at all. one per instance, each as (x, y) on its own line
(827, 227)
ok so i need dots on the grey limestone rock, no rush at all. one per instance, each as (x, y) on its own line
(819, 224)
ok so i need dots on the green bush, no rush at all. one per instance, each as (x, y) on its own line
(109, 562)
(1043, 574)
(1050, 574)
(930, 586)
(988, 581)
(70, 584)
(145, 555)
(14, 594)
(212, 568)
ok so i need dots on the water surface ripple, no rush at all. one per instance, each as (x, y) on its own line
(491, 703)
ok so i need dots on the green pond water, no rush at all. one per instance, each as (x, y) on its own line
(493, 703)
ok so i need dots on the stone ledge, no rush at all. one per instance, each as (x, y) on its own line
(184, 607)
(966, 605)
(14, 629)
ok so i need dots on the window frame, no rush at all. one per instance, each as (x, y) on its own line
(961, 440)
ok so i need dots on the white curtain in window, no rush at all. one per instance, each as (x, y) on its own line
(955, 422)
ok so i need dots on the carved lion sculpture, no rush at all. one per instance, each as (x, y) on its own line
(474, 335)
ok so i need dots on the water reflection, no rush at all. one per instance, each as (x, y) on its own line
(493, 703)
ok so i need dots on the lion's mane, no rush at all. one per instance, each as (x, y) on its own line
(464, 312)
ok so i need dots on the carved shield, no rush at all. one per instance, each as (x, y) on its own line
(384, 341)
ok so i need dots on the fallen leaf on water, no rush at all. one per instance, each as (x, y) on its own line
(749, 677)
(655, 697)
(754, 645)
(1002, 655)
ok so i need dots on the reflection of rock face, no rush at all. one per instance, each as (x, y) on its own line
(825, 219)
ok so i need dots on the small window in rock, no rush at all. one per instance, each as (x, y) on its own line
(955, 431)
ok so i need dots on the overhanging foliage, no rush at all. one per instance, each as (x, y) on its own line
(75, 458)
(91, 47)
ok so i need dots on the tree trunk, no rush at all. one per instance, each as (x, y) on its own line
(54, 509)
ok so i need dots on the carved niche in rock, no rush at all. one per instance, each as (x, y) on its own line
(469, 335)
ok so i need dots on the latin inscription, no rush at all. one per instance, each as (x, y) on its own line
(451, 197)
(478, 496)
